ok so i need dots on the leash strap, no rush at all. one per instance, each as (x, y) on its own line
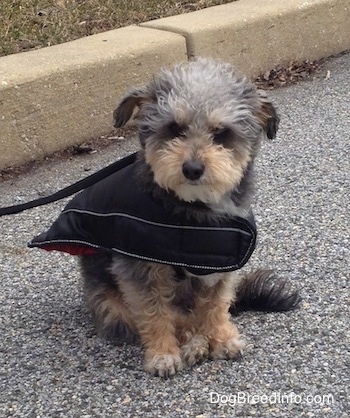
(73, 188)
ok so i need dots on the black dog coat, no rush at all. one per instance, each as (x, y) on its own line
(117, 215)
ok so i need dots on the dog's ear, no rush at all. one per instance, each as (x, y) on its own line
(268, 116)
(126, 108)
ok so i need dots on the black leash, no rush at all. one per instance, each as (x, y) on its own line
(73, 188)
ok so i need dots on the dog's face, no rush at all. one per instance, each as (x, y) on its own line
(200, 125)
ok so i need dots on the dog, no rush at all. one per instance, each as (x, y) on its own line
(200, 125)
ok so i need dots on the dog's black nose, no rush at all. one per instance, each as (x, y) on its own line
(193, 170)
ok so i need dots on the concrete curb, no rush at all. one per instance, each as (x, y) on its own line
(56, 97)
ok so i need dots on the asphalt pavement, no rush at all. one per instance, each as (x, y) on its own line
(52, 364)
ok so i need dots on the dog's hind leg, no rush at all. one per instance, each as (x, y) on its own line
(105, 301)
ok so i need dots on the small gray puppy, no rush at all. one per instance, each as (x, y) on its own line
(200, 125)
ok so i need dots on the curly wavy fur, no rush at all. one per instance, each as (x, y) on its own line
(200, 126)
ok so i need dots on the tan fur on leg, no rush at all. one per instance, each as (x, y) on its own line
(196, 350)
(109, 309)
(155, 317)
(213, 319)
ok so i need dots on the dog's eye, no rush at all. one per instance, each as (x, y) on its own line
(175, 130)
(222, 135)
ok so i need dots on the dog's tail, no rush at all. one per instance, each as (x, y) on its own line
(263, 290)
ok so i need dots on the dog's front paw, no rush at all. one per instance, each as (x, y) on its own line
(163, 365)
(230, 349)
(196, 350)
